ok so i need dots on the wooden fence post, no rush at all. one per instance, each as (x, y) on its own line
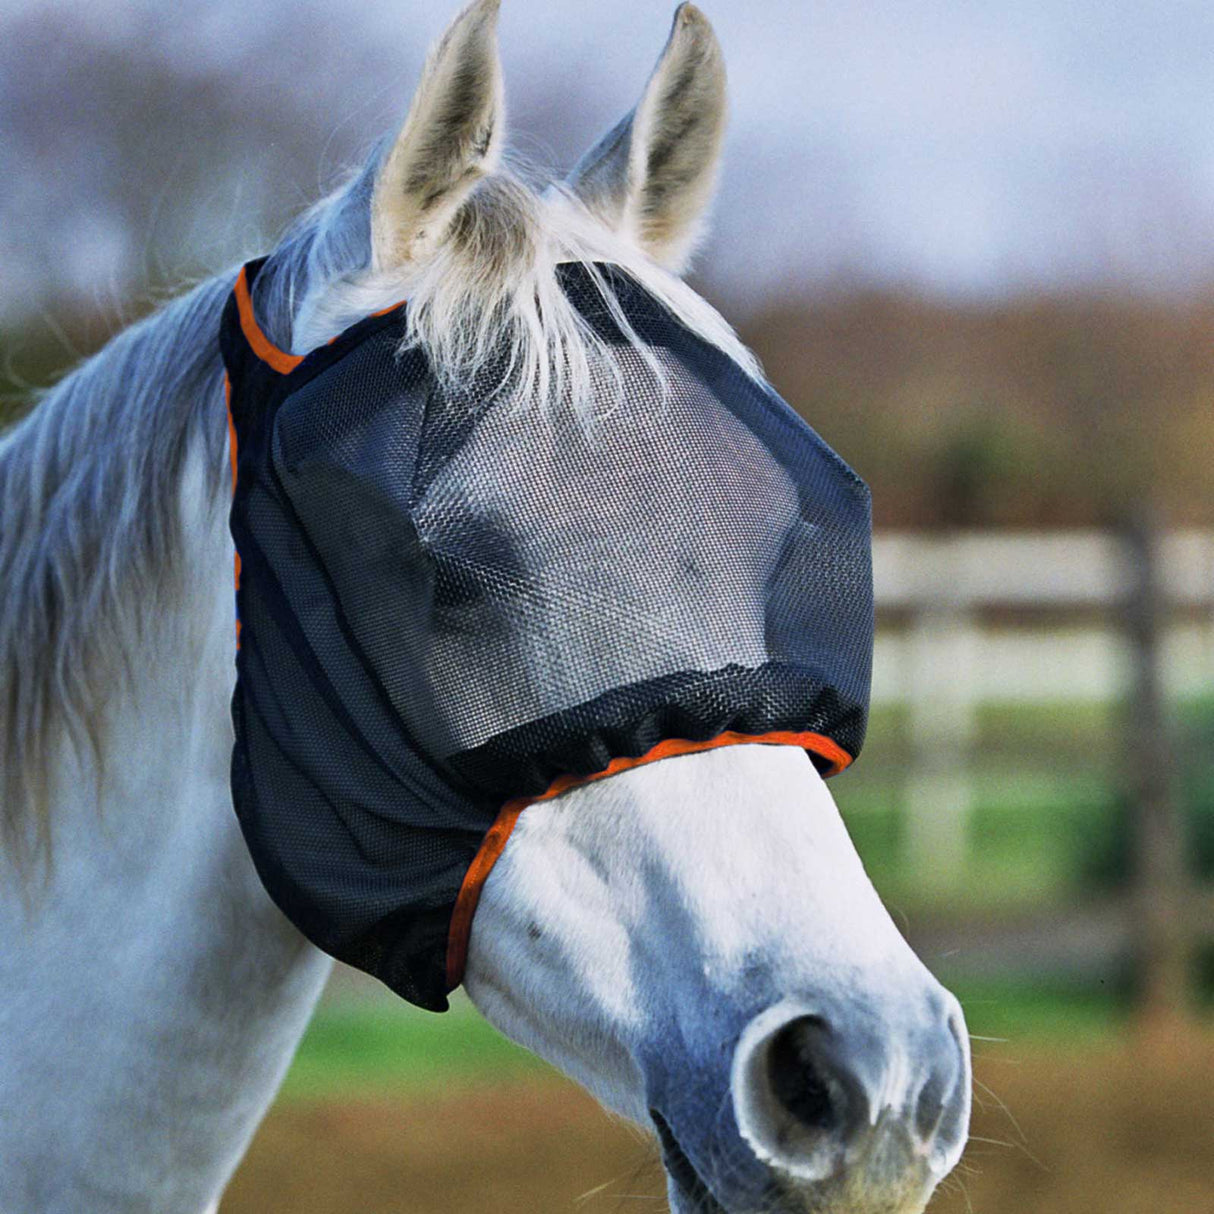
(942, 655)
(1162, 946)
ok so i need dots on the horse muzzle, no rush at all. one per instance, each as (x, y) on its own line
(834, 1105)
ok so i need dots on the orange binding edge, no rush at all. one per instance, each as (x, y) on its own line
(262, 346)
(499, 833)
(270, 354)
(227, 396)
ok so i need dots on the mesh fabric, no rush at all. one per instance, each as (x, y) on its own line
(449, 599)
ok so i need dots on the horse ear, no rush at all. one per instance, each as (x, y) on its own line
(652, 177)
(451, 139)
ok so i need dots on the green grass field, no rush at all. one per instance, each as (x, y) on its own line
(1048, 823)
(377, 1043)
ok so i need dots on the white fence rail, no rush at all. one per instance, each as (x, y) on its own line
(934, 646)
(1053, 569)
(974, 617)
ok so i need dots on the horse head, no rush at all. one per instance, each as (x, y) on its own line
(694, 940)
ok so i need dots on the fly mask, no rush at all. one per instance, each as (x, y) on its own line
(452, 604)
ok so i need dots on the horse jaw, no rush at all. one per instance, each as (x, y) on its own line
(636, 929)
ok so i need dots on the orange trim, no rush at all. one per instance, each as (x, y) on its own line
(227, 399)
(369, 316)
(384, 311)
(227, 396)
(372, 316)
(263, 347)
(495, 841)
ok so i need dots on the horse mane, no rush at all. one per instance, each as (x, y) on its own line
(491, 295)
(93, 540)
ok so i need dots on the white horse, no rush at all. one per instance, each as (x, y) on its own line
(713, 962)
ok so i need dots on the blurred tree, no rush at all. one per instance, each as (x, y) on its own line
(1053, 411)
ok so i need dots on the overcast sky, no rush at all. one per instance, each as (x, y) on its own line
(966, 147)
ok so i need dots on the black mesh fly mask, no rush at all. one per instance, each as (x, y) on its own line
(451, 605)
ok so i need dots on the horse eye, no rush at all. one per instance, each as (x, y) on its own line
(456, 586)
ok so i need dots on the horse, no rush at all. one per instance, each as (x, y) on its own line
(713, 964)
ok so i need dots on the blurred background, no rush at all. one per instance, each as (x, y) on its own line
(974, 245)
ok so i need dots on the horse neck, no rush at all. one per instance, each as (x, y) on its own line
(155, 996)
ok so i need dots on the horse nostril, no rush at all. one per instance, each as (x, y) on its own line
(801, 1088)
(929, 1108)
(796, 1078)
(942, 1107)
(816, 1089)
